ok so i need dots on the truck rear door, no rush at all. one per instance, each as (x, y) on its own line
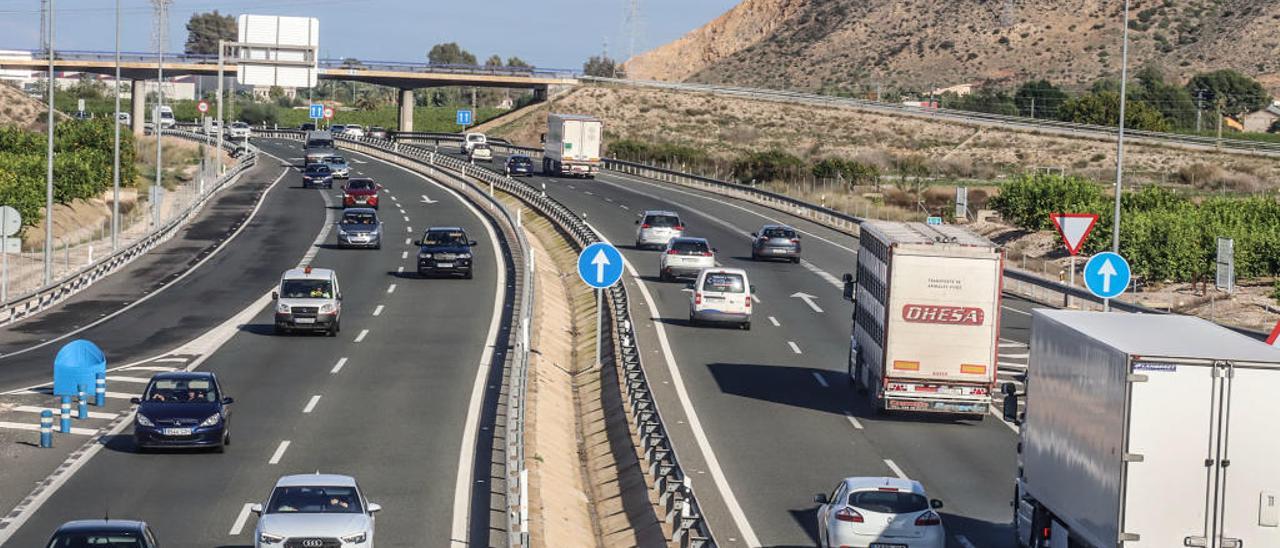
(573, 139)
(1250, 460)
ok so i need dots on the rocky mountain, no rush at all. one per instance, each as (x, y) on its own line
(857, 45)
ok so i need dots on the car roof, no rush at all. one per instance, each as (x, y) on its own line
(92, 525)
(860, 483)
(519, 157)
(769, 226)
(689, 240)
(183, 375)
(660, 212)
(301, 274)
(361, 210)
(445, 229)
(316, 479)
(358, 180)
(724, 271)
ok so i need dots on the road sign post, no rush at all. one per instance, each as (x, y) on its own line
(600, 266)
(1107, 276)
(1074, 229)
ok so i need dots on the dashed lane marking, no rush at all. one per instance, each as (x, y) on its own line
(241, 519)
(34, 409)
(121, 378)
(897, 471)
(311, 404)
(338, 366)
(854, 421)
(363, 333)
(774, 321)
(279, 454)
(36, 428)
(794, 347)
(378, 311)
(391, 288)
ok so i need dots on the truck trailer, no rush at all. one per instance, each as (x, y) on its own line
(1146, 430)
(571, 145)
(926, 319)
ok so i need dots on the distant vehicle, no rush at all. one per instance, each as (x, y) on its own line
(377, 132)
(685, 257)
(721, 295)
(339, 166)
(472, 139)
(360, 192)
(775, 242)
(124, 118)
(107, 533)
(182, 409)
(320, 510)
(239, 130)
(81, 115)
(318, 146)
(166, 117)
(307, 126)
(879, 512)
(354, 131)
(360, 227)
(316, 175)
(445, 251)
(337, 129)
(209, 127)
(308, 299)
(571, 145)
(481, 153)
(926, 318)
(656, 228)
(519, 164)
(1145, 427)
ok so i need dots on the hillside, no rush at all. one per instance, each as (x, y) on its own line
(19, 109)
(856, 45)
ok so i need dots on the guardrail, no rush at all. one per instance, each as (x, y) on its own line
(29, 304)
(676, 497)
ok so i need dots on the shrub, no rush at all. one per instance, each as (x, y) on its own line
(851, 171)
(766, 166)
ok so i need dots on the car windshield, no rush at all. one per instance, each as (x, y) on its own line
(359, 184)
(779, 233)
(359, 218)
(318, 169)
(451, 238)
(724, 283)
(320, 143)
(181, 391)
(239, 125)
(306, 289)
(315, 500)
(113, 539)
(690, 247)
(664, 221)
(888, 502)
(335, 160)
(521, 160)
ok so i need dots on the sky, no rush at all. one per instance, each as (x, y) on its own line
(545, 33)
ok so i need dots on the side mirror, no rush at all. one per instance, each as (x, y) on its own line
(754, 235)
(275, 296)
(821, 498)
(471, 243)
(228, 401)
(637, 221)
(753, 289)
(542, 138)
(1009, 411)
(689, 286)
(256, 508)
(374, 507)
(1009, 389)
(935, 504)
(848, 287)
(417, 243)
(135, 401)
(715, 250)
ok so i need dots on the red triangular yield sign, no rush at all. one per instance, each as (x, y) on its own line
(1074, 228)
(1274, 339)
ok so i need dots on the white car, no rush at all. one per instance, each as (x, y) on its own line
(354, 131)
(481, 153)
(327, 510)
(239, 130)
(685, 257)
(874, 512)
(721, 295)
(656, 228)
(471, 140)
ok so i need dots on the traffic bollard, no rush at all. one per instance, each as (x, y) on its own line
(64, 425)
(100, 391)
(46, 429)
(82, 407)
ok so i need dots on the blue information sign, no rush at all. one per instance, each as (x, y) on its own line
(464, 117)
(600, 265)
(317, 112)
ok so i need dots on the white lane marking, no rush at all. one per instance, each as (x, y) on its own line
(110, 395)
(624, 207)
(358, 161)
(311, 405)
(854, 421)
(1021, 366)
(756, 298)
(393, 198)
(36, 427)
(400, 269)
(170, 360)
(407, 241)
(149, 368)
(34, 409)
(427, 200)
(964, 541)
(1006, 343)
(391, 288)
(1016, 356)
(363, 333)
(695, 424)
(408, 229)
(279, 454)
(588, 193)
(818, 377)
(808, 299)
(610, 200)
(406, 218)
(378, 311)
(822, 274)
(774, 321)
(794, 347)
(571, 187)
(241, 519)
(121, 378)
(1012, 309)
(897, 471)
(404, 254)
(338, 366)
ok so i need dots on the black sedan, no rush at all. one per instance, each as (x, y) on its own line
(519, 164)
(444, 251)
(112, 533)
(182, 409)
(315, 175)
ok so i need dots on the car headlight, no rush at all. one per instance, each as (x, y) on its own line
(327, 307)
(282, 308)
(464, 255)
(356, 538)
(143, 420)
(212, 420)
(424, 255)
(268, 538)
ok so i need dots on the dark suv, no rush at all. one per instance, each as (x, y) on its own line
(316, 175)
(445, 251)
(111, 533)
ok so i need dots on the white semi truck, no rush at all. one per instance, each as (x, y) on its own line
(571, 145)
(926, 320)
(1145, 430)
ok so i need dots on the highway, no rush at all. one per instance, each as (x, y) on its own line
(385, 401)
(773, 403)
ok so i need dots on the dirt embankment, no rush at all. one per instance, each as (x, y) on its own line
(745, 24)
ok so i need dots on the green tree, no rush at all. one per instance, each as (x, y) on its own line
(367, 102)
(1103, 109)
(516, 62)
(602, 66)
(1238, 94)
(985, 99)
(450, 54)
(1039, 99)
(761, 167)
(205, 29)
(494, 60)
(1174, 102)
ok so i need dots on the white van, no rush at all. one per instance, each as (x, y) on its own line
(166, 117)
(721, 295)
(471, 140)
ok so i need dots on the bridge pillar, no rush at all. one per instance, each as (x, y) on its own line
(138, 106)
(406, 110)
(540, 94)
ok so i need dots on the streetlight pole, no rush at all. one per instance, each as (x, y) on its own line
(160, 45)
(48, 182)
(1124, 76)
(217, 151)
(115, 167)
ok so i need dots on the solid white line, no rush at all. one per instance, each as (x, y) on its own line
(311, 405)
(92, 414)
(391, 288)
(170, 360)
(774, 321)
(362, 335)
(378, 311)
(149, 368)
(279, 454)
(1022, 356)
(404, 254)
(854, 421)
(818, 376)
(338, 367)
(897, 471)
(1000, 415)
(241, 519)
(794, 347)
(34, 427)
(121, 378)
(588, 193)
(964, 541)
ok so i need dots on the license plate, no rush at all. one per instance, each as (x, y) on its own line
(177, 431)
(444, 265)
(304, 320)
(887, 545)
(780, 251)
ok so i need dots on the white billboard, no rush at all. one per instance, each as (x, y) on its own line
(278, 51)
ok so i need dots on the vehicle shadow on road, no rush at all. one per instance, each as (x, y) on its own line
(783, 384)
(807, 519)
(981, 533)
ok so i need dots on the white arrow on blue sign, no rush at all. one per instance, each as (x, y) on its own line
(600, 265)
(1107, 275)
(317, 112)
(464, 117)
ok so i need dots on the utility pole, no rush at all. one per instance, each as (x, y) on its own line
(1199, 108)
(1033, 106)
(162, 35)
(1124, 76)
(115, 161)
(48, 181)
(1220, 104)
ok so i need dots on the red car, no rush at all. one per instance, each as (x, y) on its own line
(361, 193)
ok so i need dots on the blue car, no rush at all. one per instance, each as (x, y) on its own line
(182, 409)
(317, 174)
(112, 533)
(519, 164)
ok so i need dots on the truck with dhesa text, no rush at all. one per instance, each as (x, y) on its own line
(926, 318)
(571, 145)
(1146, 431)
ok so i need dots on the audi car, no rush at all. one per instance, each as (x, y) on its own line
(775, 242)
(315, 511)
(445, 251)
(360, 192)
(182, 409)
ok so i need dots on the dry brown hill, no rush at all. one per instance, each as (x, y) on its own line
(923, 44)
(19, 109)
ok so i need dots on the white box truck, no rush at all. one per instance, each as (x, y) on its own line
(926, 318)
(1147, 431)
(571, 145)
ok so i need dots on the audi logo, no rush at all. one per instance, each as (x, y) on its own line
(313, 543)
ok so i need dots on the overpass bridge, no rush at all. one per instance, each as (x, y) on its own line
(405, 76)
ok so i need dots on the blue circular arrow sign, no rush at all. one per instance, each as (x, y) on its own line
(600, 265)
(1106, 275)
